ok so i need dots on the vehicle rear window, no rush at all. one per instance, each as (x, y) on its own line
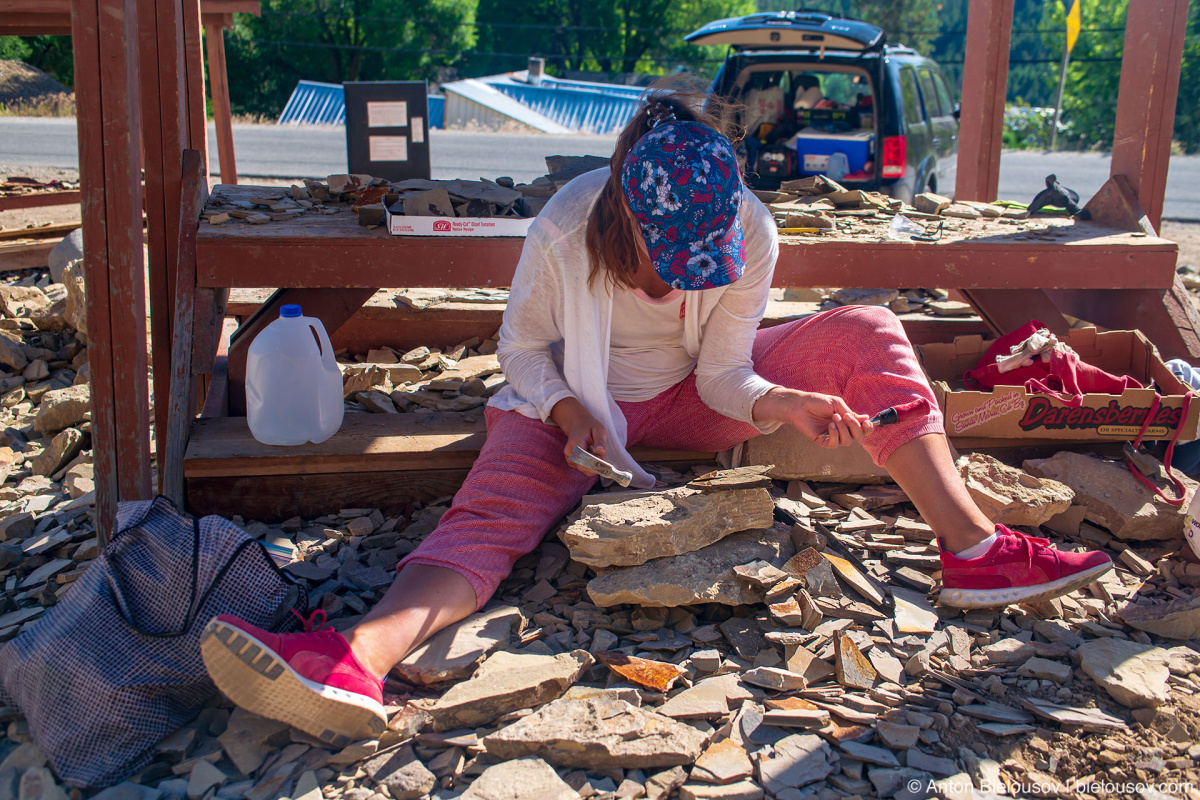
(929, 95)
(908, 94)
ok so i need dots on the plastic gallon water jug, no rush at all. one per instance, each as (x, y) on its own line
(293, 384)
(838, 166)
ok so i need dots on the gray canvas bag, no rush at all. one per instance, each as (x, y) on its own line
(115, 665)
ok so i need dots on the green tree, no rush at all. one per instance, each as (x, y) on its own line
(337, 41)
(50, 54)
(622, 36)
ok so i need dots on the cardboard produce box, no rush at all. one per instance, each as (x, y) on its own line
(979, 418)
(402, 225)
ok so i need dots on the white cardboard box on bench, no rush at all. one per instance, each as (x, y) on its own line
(401, 225)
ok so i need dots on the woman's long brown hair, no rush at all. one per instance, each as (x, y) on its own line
(612, 235)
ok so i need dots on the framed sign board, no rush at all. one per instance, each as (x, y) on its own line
(387, 129)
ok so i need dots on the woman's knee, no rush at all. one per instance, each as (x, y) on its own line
(867, 323)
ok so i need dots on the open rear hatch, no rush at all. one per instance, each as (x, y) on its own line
(790, 30)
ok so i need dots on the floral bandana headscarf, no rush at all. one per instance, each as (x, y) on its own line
(682, 182)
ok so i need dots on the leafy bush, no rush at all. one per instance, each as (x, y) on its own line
(1027, 127)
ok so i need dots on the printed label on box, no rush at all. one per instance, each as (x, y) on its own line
(815, 163)
(401, 225)
(418, 130)
(995, 407)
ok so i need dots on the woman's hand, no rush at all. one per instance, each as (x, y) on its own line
(825, 419)
(581, 428)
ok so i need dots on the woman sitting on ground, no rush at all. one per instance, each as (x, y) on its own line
(634, 320)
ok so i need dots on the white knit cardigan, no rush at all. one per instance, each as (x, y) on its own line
(554, 342)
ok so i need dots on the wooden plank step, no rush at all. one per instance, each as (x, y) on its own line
(382, 321)
(375, 460)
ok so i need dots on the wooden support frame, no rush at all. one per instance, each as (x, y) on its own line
(214, 40)
(39, 200)
(1151, 61)
(981, 123)
(193, 192)
(105, 40)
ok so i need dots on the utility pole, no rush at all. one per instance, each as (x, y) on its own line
(1073, 15)
(1062, 84)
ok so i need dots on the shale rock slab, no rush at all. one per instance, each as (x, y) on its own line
(519, 779)
(455, 652)
(598, 734)
(1114, 498)
(1009, 496)
(1134, 674)
(504, 683)
(705, 576)
(625, 529)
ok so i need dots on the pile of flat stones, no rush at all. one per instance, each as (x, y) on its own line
(723, 636)
(46, 472)
(370, 198)
(423, 380)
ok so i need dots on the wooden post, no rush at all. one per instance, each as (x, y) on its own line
(104, 37)
(164, 137)
(1154, 33)
(214, 39)
(985, 81)
(197, 114)
(194, 191)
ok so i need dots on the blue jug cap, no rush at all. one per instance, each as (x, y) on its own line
(290, 310)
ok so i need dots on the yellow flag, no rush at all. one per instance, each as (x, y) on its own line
(1072, 9)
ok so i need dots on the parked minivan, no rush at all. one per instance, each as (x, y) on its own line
(827, 95)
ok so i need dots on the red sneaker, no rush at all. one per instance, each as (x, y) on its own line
(1017, 569)
(311, 680)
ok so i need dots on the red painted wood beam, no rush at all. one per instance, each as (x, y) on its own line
(39, 200)
(1150, 64)
(382, 260)
(104, 38)
(985, 81)
(214, 39)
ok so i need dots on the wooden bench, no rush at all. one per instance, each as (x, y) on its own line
(333, 268)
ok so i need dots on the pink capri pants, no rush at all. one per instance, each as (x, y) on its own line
(522, 485)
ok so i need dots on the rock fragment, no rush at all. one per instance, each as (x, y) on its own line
(853, 669)
(724, 762)
(705, 576)
(1178, 619)
(519, 779)
(405, 777)
(598, 734)
(796, 761)
(1113, 497)
(630, 528)
(454, 652)
(62, 408)
(507, 682)
(1046, 669)
(1009, 496)
(708, 699)
(1135, 675)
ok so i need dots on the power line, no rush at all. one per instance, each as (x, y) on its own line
(474, 24)
(548, 57)
(567, 56)
(610, 29)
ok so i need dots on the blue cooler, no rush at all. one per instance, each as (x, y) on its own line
(814, 148)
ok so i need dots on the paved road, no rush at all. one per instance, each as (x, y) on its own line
(270, 151)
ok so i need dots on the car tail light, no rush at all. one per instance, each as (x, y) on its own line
(895, 156)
